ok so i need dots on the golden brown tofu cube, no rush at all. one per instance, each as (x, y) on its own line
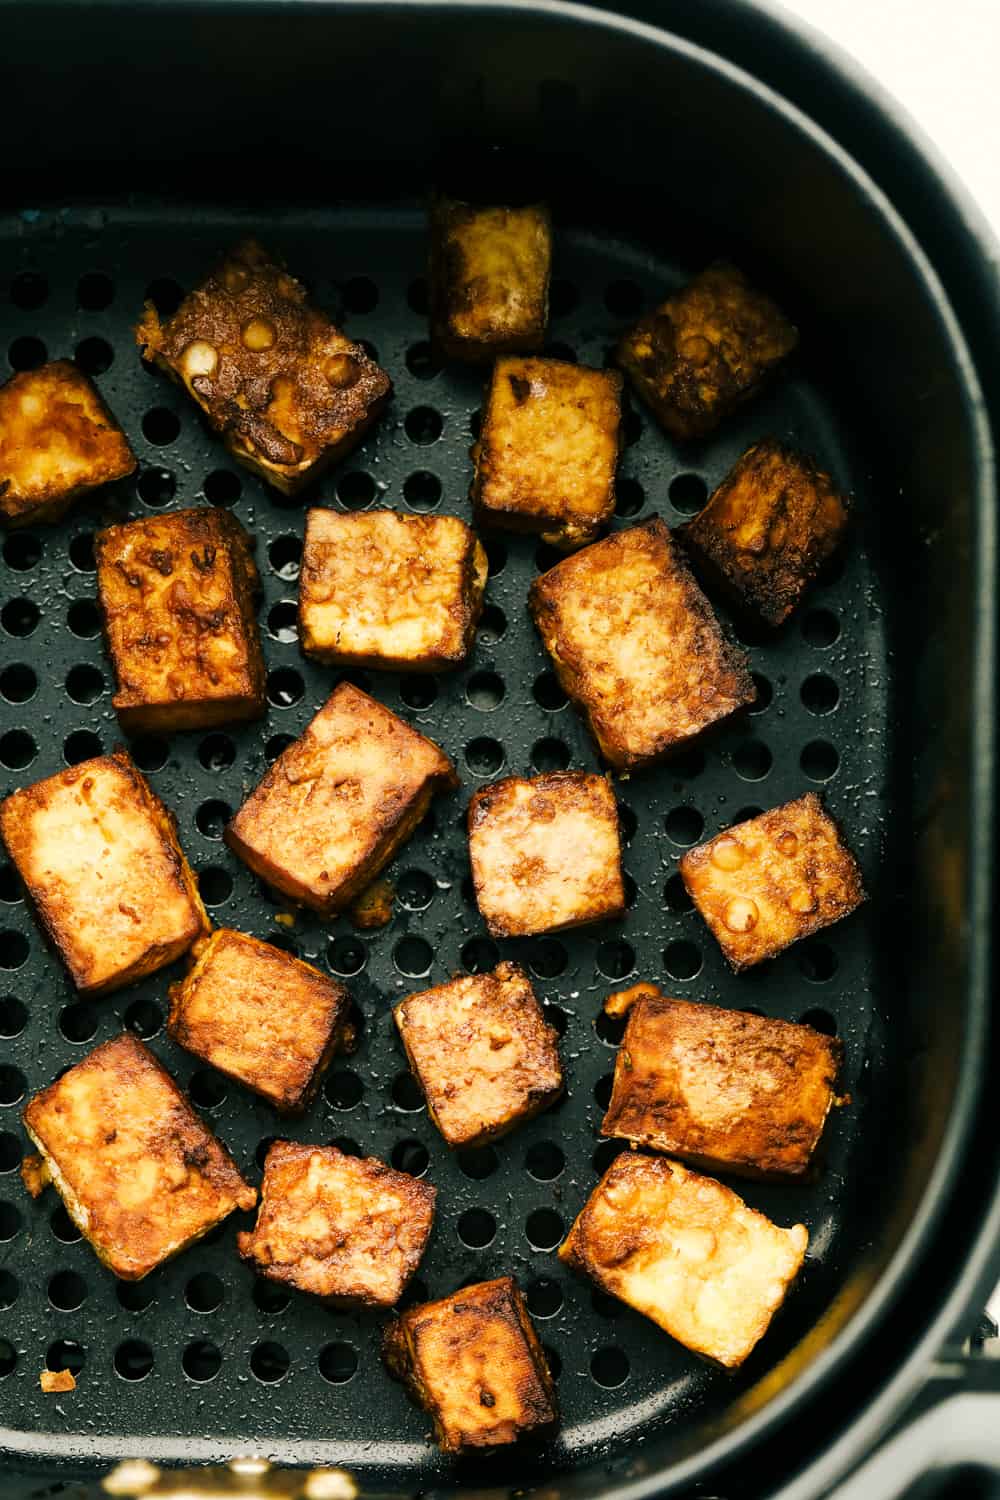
(545, 853)
(383, 590)
(98, 854)
(260, 1016)
(545, 460)
(57, 441)
(140, 1175)
(288, 392)
(705, 350)
(636, 646)
(177, 592)
(687, 1253)
(337, 804)
(723, 1089)
(779, 877)
(344, 1228)
(474, 1363)
(767, 530)
(482, 1052)
(489, 278)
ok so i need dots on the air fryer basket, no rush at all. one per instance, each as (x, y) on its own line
(655, 158)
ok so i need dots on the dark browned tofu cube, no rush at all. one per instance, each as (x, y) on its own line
(705, 349)
(337, 804)
(489, 278)
(260, 1016)
(288, 392)
(57, 441)
(98, 854)
(482, 1052)
(177, 592)
(767, 530)
(141, 1177)
(636, 646)
(545, 853)
(474, 1363)
(379, 589)
(344, 1228)
(723, 1089)
(779, 877)
(545, 460)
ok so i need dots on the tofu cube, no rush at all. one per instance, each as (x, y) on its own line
(546, 853)
(177, 592)
(687, 1253)
(383, 590)
(489, 278)
(141, 1176)
(260, 1016)
(483, 1054)
(344, 1228)
(57, 441)
(636, 646)
(779, 877)
(767, 530)
(98, 854)
(287, 391)
(705, 350)
(474, 1363)
(545, 460)
(337, 804)
(723, 1089)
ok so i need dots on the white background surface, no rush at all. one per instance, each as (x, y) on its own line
(941, 60)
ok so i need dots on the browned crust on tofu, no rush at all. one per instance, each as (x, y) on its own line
(177, 593)
(337, 804)
(482, 1053)
(545, 460)
(722, 1089)
(288, 392)
(54, 1382)
(98, 854)
(383, 590)
(261, 1017)
(141, 1176)
(489, 278)
(545, 853)
(58, 440)
(705, 350)
(767, 530)
(349, 1230)
(636, 646)
(473, 1361)
(773, 880)
(35, 1174)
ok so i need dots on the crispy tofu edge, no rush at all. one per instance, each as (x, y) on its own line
(443, 279)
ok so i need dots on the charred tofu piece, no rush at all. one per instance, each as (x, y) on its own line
(98, 854)
(779, 877)
(546, 853)
(489, 278)
(288, 392)
(474, 1363)
(705, 350)
(767, 530)
(687, 1253)
(636, 646)
(545, 460)
(723, 1089)
(260, 1016)
(483, 1054)
(140, 1175)
(177, 592)
(344, 1228)
(57, 441)
(383, 590)
(337, 804)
